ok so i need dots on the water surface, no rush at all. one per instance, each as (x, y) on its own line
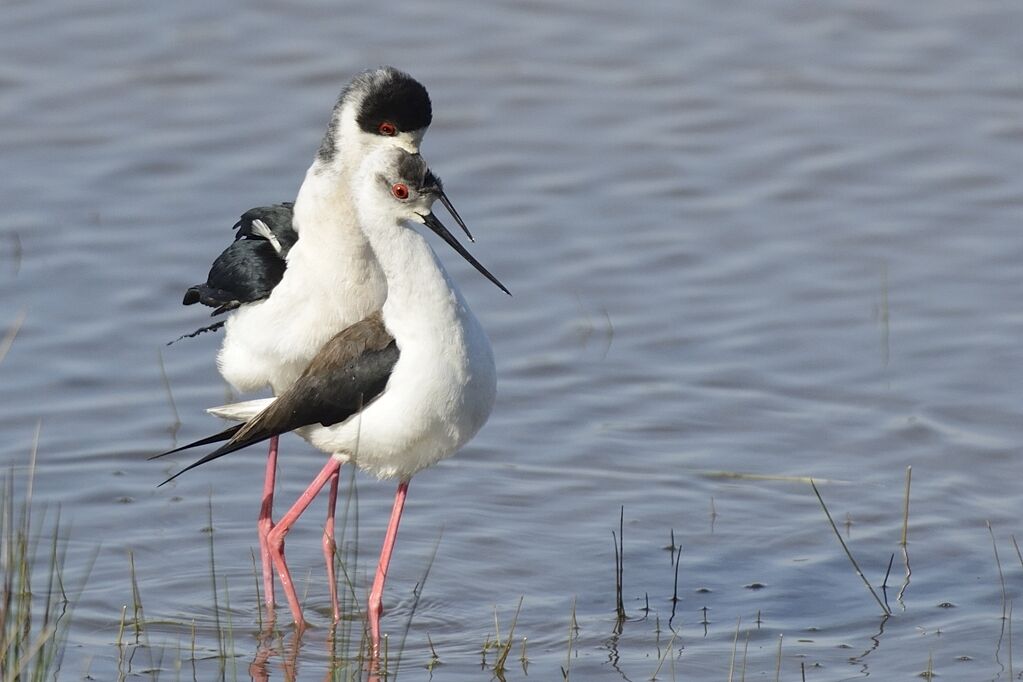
(778, 240)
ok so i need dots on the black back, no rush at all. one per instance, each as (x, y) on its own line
(250, 267)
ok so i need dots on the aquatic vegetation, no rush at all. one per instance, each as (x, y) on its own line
(34, 605)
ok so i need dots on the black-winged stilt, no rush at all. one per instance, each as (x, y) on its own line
(403, 388)
(299, 273)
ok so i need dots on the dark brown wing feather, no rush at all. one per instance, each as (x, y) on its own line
(349, 371)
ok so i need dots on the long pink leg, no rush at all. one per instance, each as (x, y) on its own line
(276, 538)
(375, 606)
(266, 522)
(328, 545)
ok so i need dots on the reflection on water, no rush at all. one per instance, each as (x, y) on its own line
(748, 246)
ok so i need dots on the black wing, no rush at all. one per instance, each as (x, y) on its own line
(246, 271)
(323, 395)
(277, 217)
(253, 264)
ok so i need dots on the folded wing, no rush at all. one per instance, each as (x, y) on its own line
(347, 374)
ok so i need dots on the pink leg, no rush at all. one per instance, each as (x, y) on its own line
(275, 540)
(375, 606)
(266, 522)
(329, 546)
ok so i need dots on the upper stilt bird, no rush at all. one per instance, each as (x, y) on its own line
(399, 390)
(299, 273)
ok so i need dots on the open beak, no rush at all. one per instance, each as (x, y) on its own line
(454, 214)
(434, 186)
(430, 220)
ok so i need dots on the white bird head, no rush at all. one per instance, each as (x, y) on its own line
(395, 186)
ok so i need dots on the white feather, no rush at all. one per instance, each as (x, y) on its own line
(241, 412)
(261, 229)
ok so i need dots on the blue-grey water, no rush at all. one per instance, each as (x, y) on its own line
(749, 244)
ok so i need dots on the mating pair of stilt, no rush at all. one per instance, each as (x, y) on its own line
(343, 309)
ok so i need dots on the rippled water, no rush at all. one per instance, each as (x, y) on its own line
(748, 244)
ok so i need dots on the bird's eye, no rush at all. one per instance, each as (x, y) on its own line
(387, 128)
(399, 190)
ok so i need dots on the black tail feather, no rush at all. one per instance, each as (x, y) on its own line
(225, 449)
(215, 438)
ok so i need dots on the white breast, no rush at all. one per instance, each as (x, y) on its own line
(332, 281)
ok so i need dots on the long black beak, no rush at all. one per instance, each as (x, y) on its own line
(431, 222)
(454, 214)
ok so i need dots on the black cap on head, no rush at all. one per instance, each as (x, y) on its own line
(398, 99)
(383, 95)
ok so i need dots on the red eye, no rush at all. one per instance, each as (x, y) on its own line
(400, 190)
(387, 128)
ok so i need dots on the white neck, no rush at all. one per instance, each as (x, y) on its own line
(443, 386)
(324, 206)
(421, 301)
(332, 256)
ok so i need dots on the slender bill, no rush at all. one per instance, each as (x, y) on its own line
(454, 214)
(437, 187)
(430, 220)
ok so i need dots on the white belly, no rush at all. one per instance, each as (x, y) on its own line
(432, 406)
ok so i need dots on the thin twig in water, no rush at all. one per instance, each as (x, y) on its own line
(170, 394)
(573, 627)
(905, 506)
(30, 653)
(674, 594)
(777, 670)
(417, 593)
(1018, 553)
(848, 553)
(230, 632)
(667, 651)
(998, 563)
(434, 658)
(259, 601)
(1011, 675)
(213, 580)
(619, 546)
(506, 649)
(745, 654)
(120, 628)
(735, 645)
(136, 596)
(884, 583)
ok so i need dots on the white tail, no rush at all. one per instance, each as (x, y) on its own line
(241, 412)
